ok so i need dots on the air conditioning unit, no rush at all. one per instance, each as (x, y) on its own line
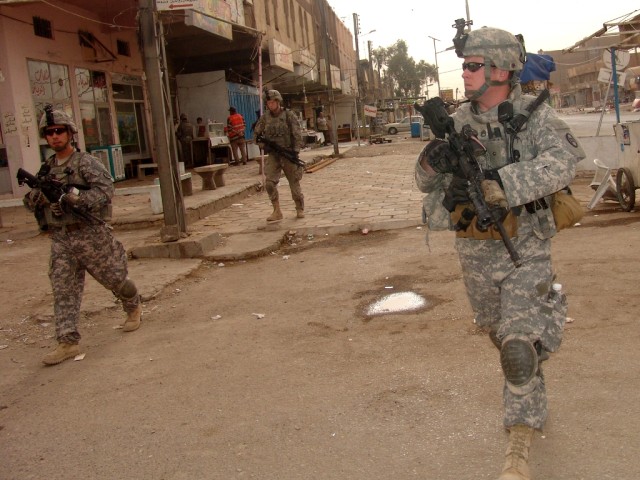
(111, 157)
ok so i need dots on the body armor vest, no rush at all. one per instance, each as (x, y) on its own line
(72, 178)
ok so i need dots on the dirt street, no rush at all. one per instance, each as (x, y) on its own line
(271, 369)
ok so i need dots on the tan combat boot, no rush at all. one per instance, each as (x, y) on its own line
(299, 213)
(62, 352)
(516, 465)
(133, 320)
(277, 214)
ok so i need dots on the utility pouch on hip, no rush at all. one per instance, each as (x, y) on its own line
(567, 211)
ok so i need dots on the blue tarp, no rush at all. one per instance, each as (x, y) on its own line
(537, 67)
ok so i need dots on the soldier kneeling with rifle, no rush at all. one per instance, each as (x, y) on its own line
(71, 198)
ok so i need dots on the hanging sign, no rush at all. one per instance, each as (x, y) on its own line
(176, 5)
(370, 110)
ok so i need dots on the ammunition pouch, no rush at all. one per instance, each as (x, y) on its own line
(464, 216)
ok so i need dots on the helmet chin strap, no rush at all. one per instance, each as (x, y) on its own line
(475, 94)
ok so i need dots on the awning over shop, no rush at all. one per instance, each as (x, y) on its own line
(623, 31)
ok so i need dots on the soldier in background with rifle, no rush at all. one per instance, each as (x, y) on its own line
(278, 133)
(492, 181)
(81, 240)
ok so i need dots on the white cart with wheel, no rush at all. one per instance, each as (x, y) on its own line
(628, 176)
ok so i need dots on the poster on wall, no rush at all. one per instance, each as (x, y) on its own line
(127, 128)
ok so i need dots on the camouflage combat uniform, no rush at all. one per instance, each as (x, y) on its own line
(77, 247)
(509, 301)
(284, 130)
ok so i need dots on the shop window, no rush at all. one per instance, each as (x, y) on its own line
(49, 84)
(94, 108)
(129, 104)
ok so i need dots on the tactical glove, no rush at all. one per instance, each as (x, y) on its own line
(459, 190)
(439, 156)
(70, 199)
(493, 175)
(56, 209)
(35, 198)
(493, 194)
(456, 194)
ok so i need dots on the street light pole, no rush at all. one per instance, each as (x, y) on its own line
(435, 52)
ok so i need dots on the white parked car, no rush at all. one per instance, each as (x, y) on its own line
(403, 125)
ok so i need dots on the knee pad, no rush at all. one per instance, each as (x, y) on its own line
(127, 290)
(519, 360)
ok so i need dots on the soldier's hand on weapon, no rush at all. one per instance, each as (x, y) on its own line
(459, 190)
(457, 194)
(56, 209)
(35, 198)
(70, 199)
(493, 194)
(492, 189)
(440, 157)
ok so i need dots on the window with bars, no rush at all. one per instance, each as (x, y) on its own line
(123, 48)
(42, 27)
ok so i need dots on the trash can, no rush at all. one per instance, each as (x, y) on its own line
(426, 133)
(415, 129)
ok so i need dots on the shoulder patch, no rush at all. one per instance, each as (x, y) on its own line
(571, 140)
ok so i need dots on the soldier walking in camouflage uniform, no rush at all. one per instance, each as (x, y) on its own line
(281, 126)
(516, 306)
(76, 245)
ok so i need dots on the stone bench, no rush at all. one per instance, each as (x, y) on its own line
(185, 181)
(144, 166)
(212, 175)
(152, 190)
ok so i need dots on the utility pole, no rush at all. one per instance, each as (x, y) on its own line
(174, 215)
(321, 4)
(356, 30)
(435, 52)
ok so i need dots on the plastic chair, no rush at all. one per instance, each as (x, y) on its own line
(603, 183)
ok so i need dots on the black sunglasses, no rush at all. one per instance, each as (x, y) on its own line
(472, 66)
(56, 130)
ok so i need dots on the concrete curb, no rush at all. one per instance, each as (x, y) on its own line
(192, 247)
(195, 210)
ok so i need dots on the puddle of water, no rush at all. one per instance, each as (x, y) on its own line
(397, 302)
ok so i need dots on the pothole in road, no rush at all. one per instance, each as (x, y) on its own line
(397, 303)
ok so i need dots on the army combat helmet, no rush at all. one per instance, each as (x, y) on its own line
(56, 117)
(499, 48)
(272, 95)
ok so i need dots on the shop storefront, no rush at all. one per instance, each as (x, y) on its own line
(75, 64)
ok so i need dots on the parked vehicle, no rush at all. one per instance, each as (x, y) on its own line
(403, 125)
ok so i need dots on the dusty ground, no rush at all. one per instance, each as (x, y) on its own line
(271, 369)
